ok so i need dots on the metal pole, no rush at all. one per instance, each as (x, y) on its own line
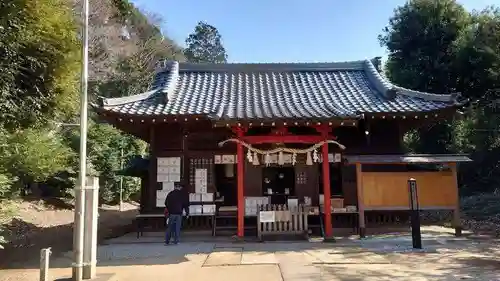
(121, 179)
(44, 264)
(78, 231)
(416, 236)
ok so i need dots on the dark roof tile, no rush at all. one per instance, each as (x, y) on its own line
(275, 91)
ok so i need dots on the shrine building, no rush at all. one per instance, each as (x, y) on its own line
(324, 135)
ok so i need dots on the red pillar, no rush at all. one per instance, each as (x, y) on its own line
(240, 176)
(326, 188)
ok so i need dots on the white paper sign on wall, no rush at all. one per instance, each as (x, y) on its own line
(228, 159)
(218, 159)
(200, 180)
(267, 216)
(338, 157)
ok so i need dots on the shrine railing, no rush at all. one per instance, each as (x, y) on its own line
(282, 220)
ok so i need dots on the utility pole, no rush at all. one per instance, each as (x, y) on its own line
(121, 179)
(78, 230)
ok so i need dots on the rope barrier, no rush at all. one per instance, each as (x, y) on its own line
(282, 149)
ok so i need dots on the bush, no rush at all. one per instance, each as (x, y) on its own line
(6, 185)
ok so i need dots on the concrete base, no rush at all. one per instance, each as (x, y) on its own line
(329, 240)
(362, 232)
(237, 239)
(89, 272)
(77, 273)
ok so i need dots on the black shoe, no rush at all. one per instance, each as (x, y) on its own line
(167, 243)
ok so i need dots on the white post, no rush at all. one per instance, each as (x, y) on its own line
(78, 230)
(91, 224)
(44, 264)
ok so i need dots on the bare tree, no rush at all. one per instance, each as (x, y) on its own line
(123, 52)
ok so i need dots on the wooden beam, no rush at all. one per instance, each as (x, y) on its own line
(152, 182)
(185, 162)
(457, 222)
(361, 204)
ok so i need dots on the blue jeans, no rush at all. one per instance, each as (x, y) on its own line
(174, 226)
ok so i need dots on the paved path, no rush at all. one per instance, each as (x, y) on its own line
(372, 259)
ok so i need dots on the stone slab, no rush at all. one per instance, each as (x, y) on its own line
(333, 257)
(255, 257)
(295, 272)
(416, 272)
(224, 257)
(239, 272)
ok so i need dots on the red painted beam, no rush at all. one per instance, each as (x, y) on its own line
(240, 156)
(283, 139)
(326, 189)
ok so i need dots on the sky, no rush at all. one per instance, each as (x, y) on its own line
(287, 30)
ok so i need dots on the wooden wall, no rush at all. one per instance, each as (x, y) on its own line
(384, 137)
(306, 182)
(252, 180)
(349, 185)
(436, 190)
(200, 143)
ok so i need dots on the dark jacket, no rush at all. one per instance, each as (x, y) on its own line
(176, 201)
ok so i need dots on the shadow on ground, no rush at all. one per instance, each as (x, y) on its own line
(50, 202)
(24, 252)
(378, 257)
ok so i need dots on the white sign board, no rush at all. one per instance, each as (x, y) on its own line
(200, 181)
(338, 158)
(266, 216)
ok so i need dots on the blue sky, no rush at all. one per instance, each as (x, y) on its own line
(287, 30)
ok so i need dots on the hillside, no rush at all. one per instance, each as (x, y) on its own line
(32, 224)
(125, 44)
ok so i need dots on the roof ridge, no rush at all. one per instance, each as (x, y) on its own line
(284, 67)
(170, 84)
(387, 88)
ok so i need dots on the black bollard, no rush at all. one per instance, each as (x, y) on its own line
(416, 236)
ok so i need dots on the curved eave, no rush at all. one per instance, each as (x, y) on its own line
(214, 118)
(449, 108)
(386, 87)
(149, 117)
(110, 102)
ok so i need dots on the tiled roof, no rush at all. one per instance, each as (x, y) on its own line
(275, 91)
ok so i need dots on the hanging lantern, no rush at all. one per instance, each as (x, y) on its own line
(315, 156)
(309, 161)
(267, 160)
(249, 156)
(256, 159)
(281, 158)
(294, 159)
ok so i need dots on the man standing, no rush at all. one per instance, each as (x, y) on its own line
(177, 201)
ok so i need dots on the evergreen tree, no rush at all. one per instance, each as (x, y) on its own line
(205, 45)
